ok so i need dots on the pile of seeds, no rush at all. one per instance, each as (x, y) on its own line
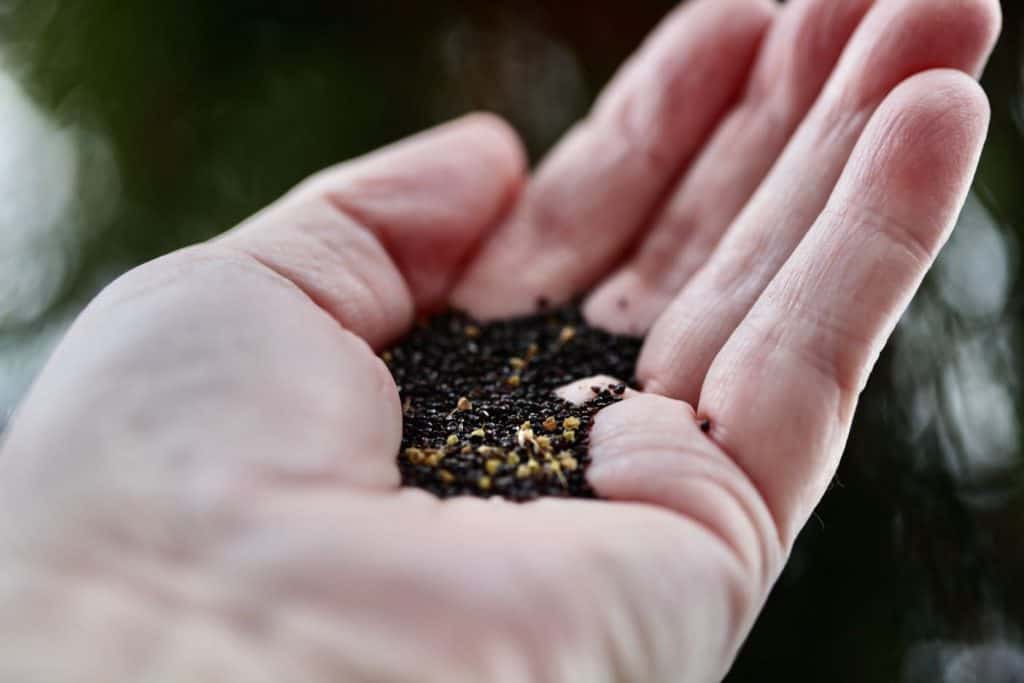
(480, 415)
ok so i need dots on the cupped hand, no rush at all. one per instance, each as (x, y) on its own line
(202, 483)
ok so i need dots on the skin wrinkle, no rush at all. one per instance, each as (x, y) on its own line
(720, 435)
(665, 489)
(358, 305)
(626, 443)
(351, 201)
(846, 367)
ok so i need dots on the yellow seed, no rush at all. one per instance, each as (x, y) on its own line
(571, 422)
(532, 465)
(526, 425)
(567, 333)
(466, 450)
(550, 424)
(478, 433)
(406, 405)
(492, 466)
(531, 351)
(512, 459)
(484, 450)
(569, 435)
(522, 472)
(472, 331)
(463, 404)
(415, 455)
(484, 483)
(556, 469)
(517, 363)
(513, 380)
(453, 440)
(569, 463)
(446, 476)
(386, 357)
(544, 442)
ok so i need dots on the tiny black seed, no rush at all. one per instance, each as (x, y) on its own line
(705, 426)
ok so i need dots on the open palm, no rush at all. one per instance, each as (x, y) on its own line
(203, 480)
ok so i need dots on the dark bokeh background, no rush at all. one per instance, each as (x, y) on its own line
(129, 128)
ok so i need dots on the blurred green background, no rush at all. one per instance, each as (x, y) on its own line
(129, 128)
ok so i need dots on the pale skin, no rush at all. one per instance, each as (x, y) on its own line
(201, 485)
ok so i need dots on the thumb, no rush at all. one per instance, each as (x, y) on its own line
(374, 239)
(206, 359)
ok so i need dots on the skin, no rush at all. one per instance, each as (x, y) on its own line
(201, 484)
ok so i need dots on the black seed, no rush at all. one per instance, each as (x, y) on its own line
(705, 426)
(437, 364)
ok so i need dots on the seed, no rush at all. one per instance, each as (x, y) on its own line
(387, 357)
(524, 435)
(705, 426)
(557, 469)
(571, 422)
(464, 418)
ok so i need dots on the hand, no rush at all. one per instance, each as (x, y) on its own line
(202, 482)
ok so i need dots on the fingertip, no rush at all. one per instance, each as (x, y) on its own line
(928, 133)
(497, 139)
(587, 389)
(982, 21)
